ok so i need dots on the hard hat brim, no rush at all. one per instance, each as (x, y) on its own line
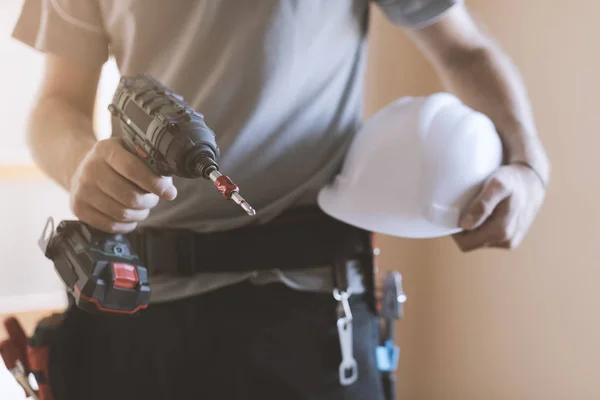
(396, 224)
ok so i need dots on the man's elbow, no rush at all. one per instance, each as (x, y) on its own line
(48, 113)
(35, 122)
(41, 109)
(457, 40)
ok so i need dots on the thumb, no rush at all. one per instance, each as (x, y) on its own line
(165, 188)
(482, 206)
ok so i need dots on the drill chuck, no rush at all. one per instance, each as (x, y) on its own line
(203, 166)
(207, 168)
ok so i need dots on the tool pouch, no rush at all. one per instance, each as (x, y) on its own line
(38, 350)
(29, 356)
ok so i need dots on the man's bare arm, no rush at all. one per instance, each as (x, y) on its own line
(109, 187)
(60, 127)
(473, 67)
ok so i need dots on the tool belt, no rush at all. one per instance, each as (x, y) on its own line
(298, 239)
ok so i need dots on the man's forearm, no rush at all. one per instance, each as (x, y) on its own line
(59, 136)
(486, 80)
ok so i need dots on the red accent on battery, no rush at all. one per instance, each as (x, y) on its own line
(109, 310)
(141, 152)
(225, 186)
(125, 276)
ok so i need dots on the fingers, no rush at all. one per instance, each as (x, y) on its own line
(99, 220)
(494, 191)
(498, 229)
(134, 170)
(123, 191)
(502, 213)
(515, 241)
(117, 212)
(518, 234)
(109, 200)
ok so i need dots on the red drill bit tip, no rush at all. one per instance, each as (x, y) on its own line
(230, 191)
(225, 186)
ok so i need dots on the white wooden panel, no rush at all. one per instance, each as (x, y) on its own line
(28, 280)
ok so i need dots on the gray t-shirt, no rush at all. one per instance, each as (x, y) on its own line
(279, 82)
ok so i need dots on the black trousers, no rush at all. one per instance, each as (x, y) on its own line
(237, 343)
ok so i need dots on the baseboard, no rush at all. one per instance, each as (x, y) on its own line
(33, 302)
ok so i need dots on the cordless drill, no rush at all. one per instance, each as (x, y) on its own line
(169, 135)
(100, 270)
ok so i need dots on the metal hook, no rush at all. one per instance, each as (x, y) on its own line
(43, 242)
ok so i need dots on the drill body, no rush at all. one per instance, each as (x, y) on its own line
(163, 130)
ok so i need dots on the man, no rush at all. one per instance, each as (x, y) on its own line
(280, 83)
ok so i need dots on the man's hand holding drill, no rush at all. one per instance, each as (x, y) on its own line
(113, 190)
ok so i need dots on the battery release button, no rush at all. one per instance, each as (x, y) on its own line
(125, 276)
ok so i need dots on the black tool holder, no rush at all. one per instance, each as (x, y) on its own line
(392, 309)
(99, 270)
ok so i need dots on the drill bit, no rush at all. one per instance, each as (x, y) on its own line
(230, 191)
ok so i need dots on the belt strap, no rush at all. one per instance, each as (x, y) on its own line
(295, 240)
(340, 274)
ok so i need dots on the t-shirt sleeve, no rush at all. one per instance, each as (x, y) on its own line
(71, 29)
(415, 13)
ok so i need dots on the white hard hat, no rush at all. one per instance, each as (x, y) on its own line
(413, 168)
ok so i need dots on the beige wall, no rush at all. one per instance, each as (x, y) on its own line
(523, 324)
(28, 321)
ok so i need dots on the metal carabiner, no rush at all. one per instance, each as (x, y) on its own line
(348, 370)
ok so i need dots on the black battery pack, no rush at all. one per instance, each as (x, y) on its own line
(99, 270)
